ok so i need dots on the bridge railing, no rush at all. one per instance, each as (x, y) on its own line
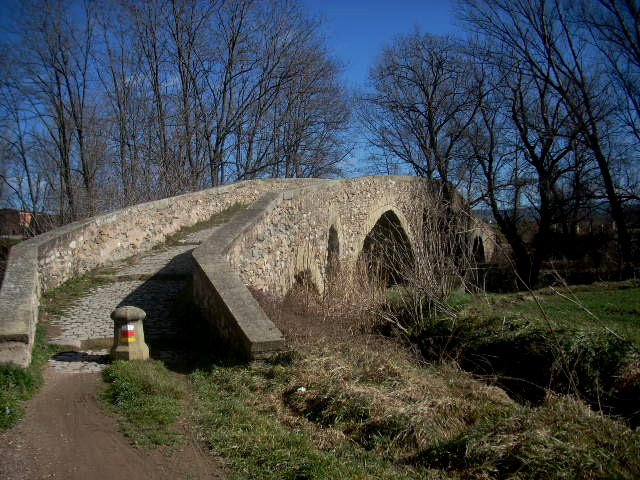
(48, 260)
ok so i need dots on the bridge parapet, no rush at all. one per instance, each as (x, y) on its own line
(293, 236)
(292, 226)
(50, 259)
(286, 233)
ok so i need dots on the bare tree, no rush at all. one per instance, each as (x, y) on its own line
(614, 26)
(20, 174)
(151, 40)
(119, 71)
(53, 55)
(422, 102)
(311, 117)
(523, 139)
(547, 40)
(154, 98)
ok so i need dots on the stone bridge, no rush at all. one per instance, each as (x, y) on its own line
(290, 229)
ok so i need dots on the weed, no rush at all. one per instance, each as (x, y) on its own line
(19, 384)
(560, 439)
(148, 397)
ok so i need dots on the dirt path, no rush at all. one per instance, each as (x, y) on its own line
(66, 434)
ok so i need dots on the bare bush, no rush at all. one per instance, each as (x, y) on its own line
(438, 261)
(405, 274)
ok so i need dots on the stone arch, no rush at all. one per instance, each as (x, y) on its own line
(307, 280)
(304, 271)
(477, 250)
(332, 265)
(387, 248)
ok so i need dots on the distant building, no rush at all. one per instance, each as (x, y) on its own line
(25, 224)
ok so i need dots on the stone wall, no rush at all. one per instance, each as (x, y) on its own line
(280, 235)
(48, 260)
(286, 233)
(293, 237)
(283, 232)
(223, 297)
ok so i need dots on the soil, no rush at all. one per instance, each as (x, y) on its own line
(66, 434)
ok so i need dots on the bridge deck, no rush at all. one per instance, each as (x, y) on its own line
(151, 281)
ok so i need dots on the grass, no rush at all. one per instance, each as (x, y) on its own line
(612, 304)
(18, 384)
(343, 403)
(148, 398)
(217, 219)
(585, 342)
(56, 300)
(561, 439)
(344, 410)
(348, 404)
(251, 437)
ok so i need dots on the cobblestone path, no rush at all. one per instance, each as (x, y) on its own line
(151, 281)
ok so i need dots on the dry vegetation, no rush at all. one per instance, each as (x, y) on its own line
(378, 410)
(353, 398)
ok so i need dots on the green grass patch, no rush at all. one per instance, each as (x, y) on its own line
(359, 407)
(355, 405)
(599, 306)
(615, 305)
(148, 398)
(217, 219)
(257, 445)
(20, 384)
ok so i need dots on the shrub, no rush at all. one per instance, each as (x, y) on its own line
(527, 358)
(561, 439)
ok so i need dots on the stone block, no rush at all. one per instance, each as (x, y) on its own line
(17, 354)
(128, 334)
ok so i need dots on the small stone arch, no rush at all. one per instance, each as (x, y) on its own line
(387, 248)
(477, 250)
(306, 280)
(332, 265)
(304, 271)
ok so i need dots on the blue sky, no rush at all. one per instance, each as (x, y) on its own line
(356, 30)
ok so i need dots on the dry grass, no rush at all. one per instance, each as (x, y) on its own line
(340, 382)
(374, 390)
(562, 439)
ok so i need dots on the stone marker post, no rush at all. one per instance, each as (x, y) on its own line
(128, 334)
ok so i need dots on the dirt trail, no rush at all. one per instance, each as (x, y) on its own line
(66, 434)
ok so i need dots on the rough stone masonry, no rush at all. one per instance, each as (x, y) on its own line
(284, 231)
